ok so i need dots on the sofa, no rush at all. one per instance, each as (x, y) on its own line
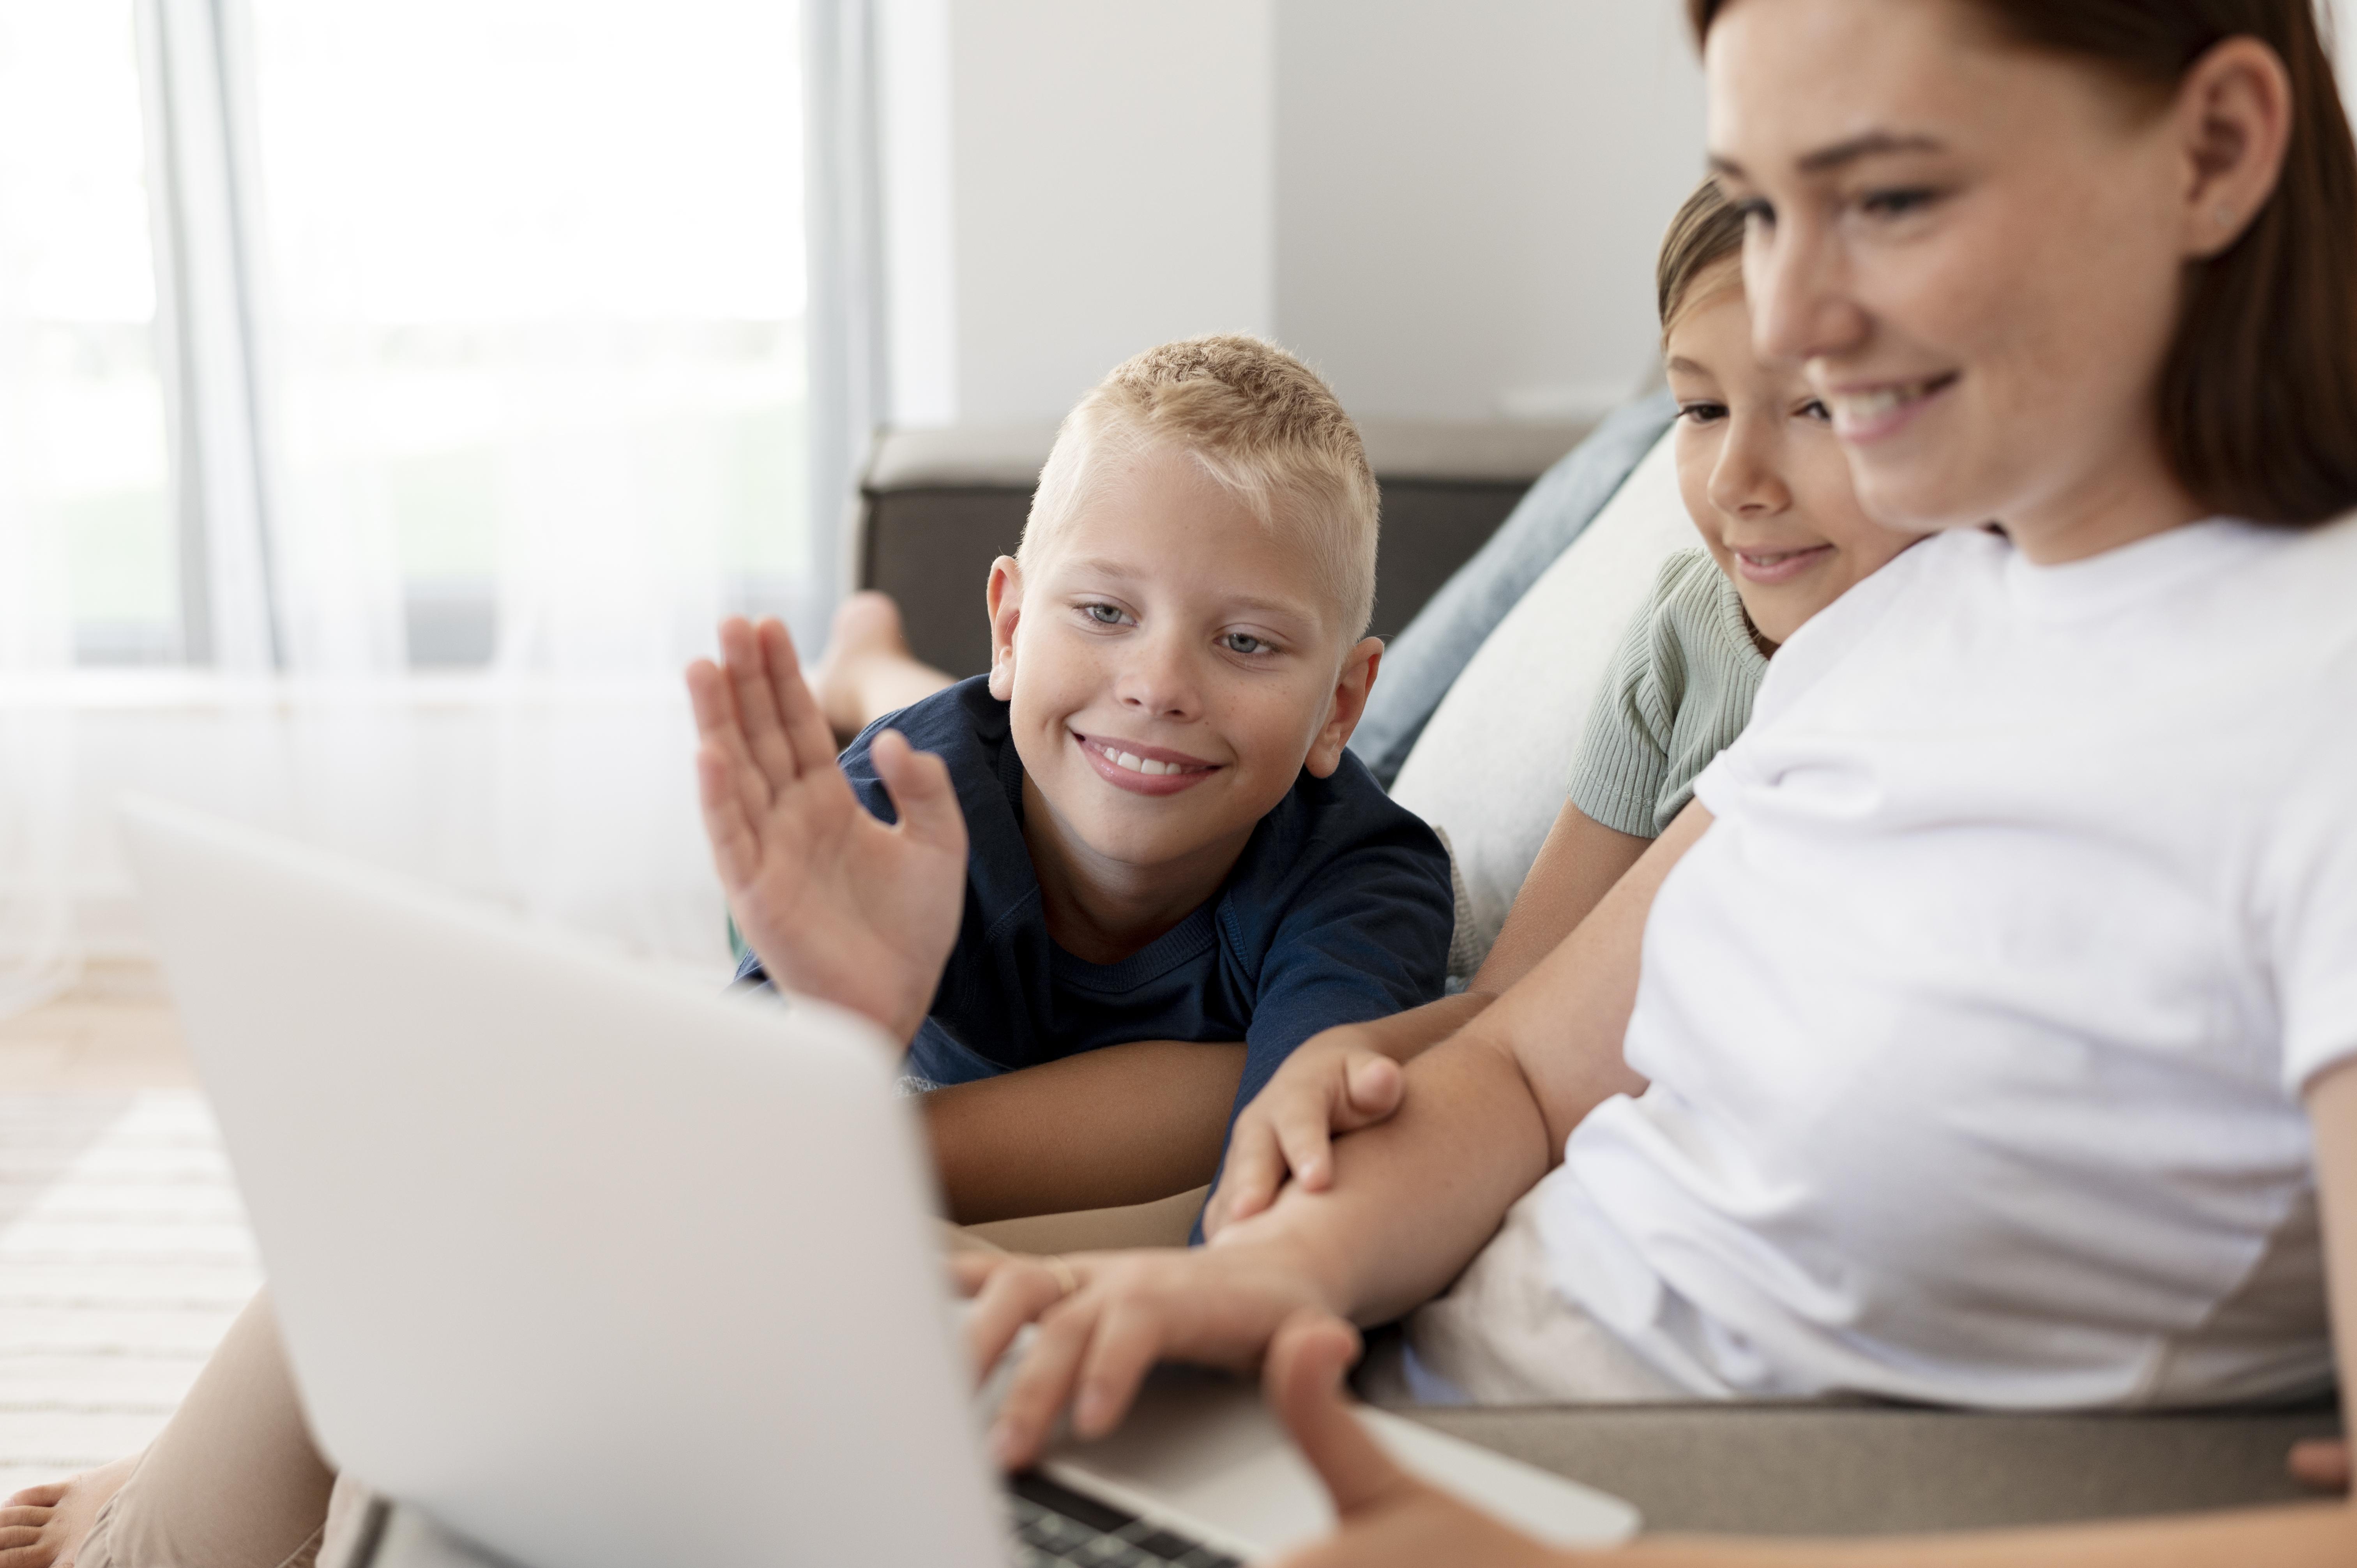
(1502, 598)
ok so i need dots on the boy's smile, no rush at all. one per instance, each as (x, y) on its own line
(1171, 663)
(1146, 769)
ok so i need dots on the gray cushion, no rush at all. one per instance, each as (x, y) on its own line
(937, 506)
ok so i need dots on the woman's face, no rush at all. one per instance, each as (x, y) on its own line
(1973, 250)
(1760, 473)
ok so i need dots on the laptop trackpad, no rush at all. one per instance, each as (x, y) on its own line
(1202, 1451)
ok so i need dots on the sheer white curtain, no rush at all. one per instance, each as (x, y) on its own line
(69, 192)
(38, 950)
(532, 281)
(480, 325)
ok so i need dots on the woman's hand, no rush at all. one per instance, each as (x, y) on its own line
(1388, 1517)
(837, 904)
(1106, 1318)
(1333, 1082)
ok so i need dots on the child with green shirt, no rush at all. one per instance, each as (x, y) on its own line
(1782, 537)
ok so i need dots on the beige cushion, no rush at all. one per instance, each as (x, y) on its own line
(1810, 1469)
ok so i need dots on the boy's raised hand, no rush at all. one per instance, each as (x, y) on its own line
(1331, 1083)
(837, 904)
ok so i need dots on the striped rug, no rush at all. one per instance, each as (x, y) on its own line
(123, 1257)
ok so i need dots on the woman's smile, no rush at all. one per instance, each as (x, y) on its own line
(1864, 413)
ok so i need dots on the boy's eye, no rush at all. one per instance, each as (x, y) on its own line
(1243, 642)
(1702, 413)
(1815, 409)
(1104, 615)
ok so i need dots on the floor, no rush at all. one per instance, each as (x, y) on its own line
(123, 1252)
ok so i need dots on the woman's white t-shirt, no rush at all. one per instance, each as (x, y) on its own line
(1976, 1025)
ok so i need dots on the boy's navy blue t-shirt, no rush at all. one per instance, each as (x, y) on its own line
(1338, 911)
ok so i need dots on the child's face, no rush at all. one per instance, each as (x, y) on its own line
(1166, 622)
(1761, 471)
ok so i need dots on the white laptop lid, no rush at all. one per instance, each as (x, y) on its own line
(596, 1268)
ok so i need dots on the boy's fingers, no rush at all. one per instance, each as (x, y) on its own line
(1371, 1086)
(922, 796)
(798, 719)
(1303, 1382)
(735, 848)
(707, 695)
(714, 699)
(757, 703)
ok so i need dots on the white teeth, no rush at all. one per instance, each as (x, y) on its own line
(1857, 408)
(1147, 766)
(1868, 405)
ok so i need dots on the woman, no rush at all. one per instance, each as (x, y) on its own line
(1991, 1043)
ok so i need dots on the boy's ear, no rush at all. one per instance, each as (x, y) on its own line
(1006, 600)
(1350, 690)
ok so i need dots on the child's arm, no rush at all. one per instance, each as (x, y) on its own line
(1118, 1125)
(837, 904)
(1348, 1078)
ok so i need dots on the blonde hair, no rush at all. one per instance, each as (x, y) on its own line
(1260, 423)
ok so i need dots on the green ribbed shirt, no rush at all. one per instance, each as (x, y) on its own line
(1678, 689)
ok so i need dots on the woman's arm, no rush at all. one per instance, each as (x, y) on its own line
(1503, 1095)
(1389, 1518)
(1484, 1119)
(1340, 1079)
(1119, 1125)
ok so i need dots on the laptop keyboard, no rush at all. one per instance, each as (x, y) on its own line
(1056, 1525)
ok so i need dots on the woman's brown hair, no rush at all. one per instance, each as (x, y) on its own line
(2258, 399)
(1707, 231)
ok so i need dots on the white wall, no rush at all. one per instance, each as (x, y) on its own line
(1469, 197)
(1113, 170)
(920, 252)
(1451, 207)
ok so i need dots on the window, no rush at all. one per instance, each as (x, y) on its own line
(481, 338)
(86, 519)
(534, 346)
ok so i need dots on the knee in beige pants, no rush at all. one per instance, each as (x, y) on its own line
(233, 1480)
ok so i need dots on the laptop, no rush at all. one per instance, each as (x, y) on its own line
(596, 1267)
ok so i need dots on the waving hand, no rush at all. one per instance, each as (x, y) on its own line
(837, 904)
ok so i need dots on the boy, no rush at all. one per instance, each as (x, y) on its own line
(1104, 891)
